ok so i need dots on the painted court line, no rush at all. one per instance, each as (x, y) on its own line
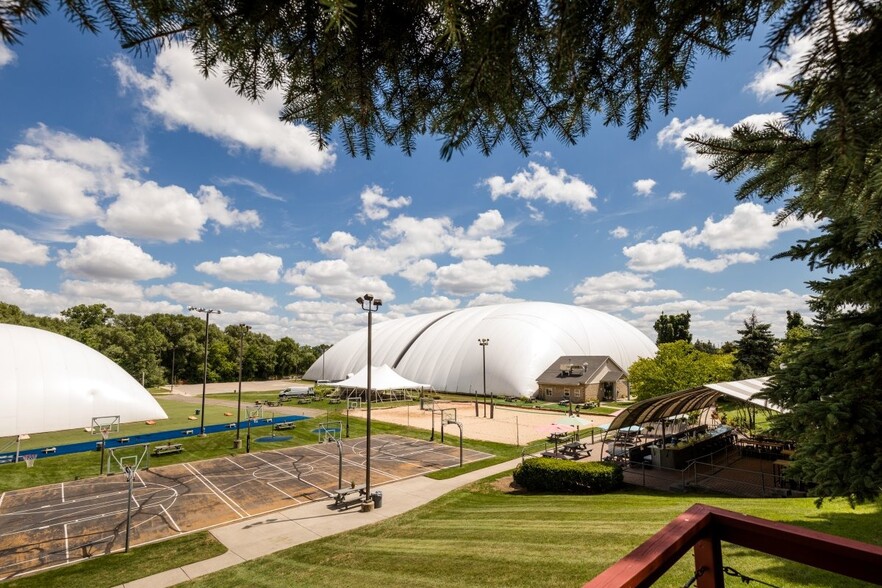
(62, 492)
(170, 518)
(240, 512)
(66, 544)
(292, 475)
(235, 464)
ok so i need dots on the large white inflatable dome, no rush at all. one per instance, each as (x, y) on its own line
(441, 349)
(49, 382)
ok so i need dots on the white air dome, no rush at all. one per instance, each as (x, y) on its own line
(441, 349)
(52, 383)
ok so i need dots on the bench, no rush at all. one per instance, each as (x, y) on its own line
(304, 401)
(283, 426)
(169, 448)
(334, 401)
(554, 455)
(340, 494)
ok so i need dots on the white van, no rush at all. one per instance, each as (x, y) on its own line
(289, 393)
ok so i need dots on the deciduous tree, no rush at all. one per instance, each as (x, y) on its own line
(677, 366)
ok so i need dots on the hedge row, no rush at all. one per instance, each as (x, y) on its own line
(544, 474)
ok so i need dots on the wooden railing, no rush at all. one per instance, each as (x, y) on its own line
(703, 528)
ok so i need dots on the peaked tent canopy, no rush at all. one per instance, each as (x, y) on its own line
(698, 398)
(382, 378)
(49, 382)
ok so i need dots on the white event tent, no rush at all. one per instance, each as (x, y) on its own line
(49, 382)
(382, 378)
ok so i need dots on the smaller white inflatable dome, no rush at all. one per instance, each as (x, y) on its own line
(52, 383)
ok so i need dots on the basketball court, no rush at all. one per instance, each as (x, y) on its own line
(62, 523)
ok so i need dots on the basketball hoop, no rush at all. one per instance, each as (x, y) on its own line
(29, 459)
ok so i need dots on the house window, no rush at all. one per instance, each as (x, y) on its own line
(548, 393)
(566, 392)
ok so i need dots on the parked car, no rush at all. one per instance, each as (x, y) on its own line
(289, 393)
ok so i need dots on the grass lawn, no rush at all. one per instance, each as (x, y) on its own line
(481, 537)
(117, 568)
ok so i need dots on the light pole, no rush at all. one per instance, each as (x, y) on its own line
(130, 478)
(483, 343)
(371, 305)
(208, 312)
(243, 329)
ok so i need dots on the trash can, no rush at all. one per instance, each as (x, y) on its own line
(377, 498)
(198, 411)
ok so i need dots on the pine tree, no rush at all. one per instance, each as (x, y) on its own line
(756, 348)
(824, 160)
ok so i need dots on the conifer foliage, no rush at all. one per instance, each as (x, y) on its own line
(823, 159)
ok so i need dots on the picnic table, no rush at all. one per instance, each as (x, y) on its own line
(283, 426)
(576, 450)
(340, 494)
(168, 448)
(555, 454)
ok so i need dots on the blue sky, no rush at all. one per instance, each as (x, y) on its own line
(132, 181)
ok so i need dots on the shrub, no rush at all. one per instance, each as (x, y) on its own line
(545, 474)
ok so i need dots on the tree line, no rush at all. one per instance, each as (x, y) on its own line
(162, 348)
(681, 364)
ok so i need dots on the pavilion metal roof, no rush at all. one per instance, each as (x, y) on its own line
(685, 401)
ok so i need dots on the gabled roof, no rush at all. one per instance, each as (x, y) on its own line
(588, 370)
(698, 398)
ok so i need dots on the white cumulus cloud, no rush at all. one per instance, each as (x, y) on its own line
(617, 291)
(111, 258)
(749, 226)
(619, 232)
(177, 93)
(260, 267)
(540, 183)
(473, 276)
(376, 206)
(227, 300)
(767, 83)
(675, 134)
(61, 174)
(644, 187)
(15, 248)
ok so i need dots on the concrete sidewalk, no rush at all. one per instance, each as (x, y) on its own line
(258, 536)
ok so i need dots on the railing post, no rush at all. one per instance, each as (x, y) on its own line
(709, 558)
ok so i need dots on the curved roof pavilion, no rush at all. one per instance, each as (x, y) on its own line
(49, 382)
(698, 398)
(441, 348)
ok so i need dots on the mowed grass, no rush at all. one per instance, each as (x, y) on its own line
(117, 568)
(482, 537)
